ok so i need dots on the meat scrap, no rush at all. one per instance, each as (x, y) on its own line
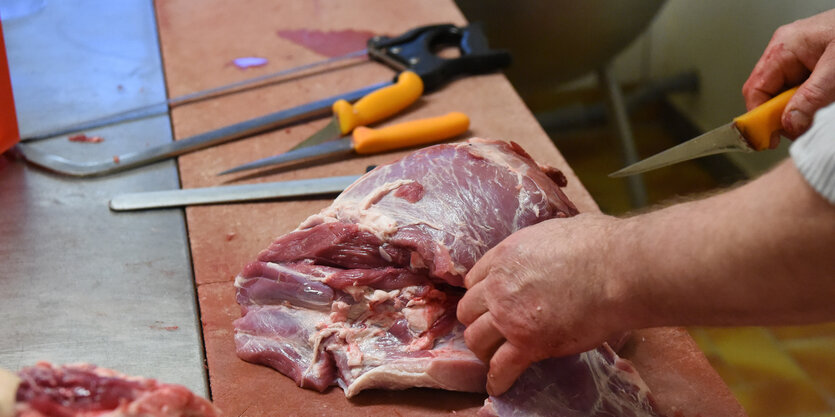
(363, 294)
(86, 139)
(84, 390)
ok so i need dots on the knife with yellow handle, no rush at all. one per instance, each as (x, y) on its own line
(747, 133)
(374, 107)
(369, 141)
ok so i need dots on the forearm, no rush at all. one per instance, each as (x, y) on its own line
(763, 253)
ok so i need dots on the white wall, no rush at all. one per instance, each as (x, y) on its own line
(722, 40)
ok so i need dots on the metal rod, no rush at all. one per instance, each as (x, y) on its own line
(162, 107)
(230, 193)
(620, 119)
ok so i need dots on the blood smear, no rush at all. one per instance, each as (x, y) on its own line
(330, 43)
(86, 139)
(249, 62)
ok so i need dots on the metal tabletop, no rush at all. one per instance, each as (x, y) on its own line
(80, 283)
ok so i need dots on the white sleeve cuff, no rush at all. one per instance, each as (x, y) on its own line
(814, 153)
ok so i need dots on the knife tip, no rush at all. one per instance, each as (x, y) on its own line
(228, 171)
(628, 171)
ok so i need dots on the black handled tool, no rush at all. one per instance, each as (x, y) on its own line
(416, 50)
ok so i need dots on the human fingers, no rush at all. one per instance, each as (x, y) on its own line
(815, 93)
(483, 338)
(472, 305)
(480, 270)
(506, 365)
(777, 68)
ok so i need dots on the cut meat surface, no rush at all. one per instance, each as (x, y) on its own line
(84, 390)
(596, 383)
(363, 294)
(436, 211)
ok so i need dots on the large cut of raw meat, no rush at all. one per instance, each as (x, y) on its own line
(363, 294)
(84, 390)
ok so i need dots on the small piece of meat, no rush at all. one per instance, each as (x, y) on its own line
(84, 390)
(86, 139)
(363, 294)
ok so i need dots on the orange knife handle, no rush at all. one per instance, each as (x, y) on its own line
(759, 124)
(409, 134)
(379, 104)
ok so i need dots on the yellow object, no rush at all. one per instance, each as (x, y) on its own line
(408, 134)
(774, 371)
(379, 104)
(8, 393)
(759, 124)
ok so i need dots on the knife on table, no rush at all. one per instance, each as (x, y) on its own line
(374, 107)
(231, 193)
(747, 133)
(366, 141)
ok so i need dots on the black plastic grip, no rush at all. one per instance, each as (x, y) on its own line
(416, 50)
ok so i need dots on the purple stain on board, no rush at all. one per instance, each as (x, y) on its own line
(249, 62)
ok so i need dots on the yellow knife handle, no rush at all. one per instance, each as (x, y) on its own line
(379, 104)
(759, 124)
(408, 134)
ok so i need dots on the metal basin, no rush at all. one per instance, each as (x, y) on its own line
(556, 41)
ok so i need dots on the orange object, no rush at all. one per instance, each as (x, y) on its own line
(380, 104)
(9, 134)
(757, 125)
(409, 134)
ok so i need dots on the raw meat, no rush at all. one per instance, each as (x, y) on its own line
(363, 294)
(594, 383)
(85, 139)
(84, 390)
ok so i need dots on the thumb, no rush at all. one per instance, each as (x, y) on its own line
(815, 93)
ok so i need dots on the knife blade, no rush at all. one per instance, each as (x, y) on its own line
(374, 107)
(123, 162)
(747, 133)
(368, 141)
(230, 193)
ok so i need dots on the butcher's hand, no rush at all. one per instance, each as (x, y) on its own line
(802, 50)
(545, 291)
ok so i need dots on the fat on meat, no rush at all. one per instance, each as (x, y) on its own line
(85, 390)
(363, 294)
